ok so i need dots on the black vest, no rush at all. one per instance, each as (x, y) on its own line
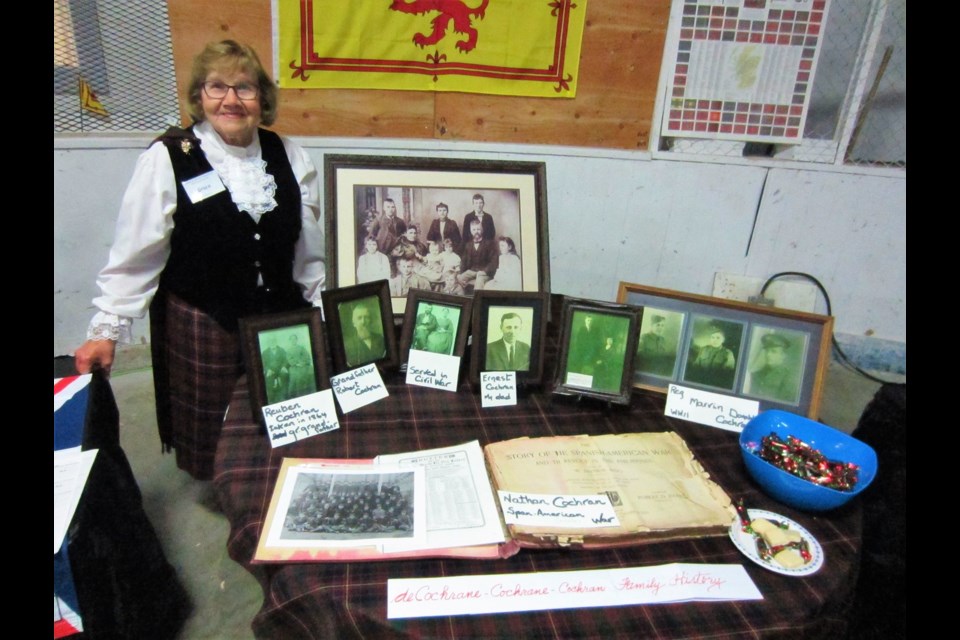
(216, 250)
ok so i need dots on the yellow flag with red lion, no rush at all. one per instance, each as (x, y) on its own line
(508, 47)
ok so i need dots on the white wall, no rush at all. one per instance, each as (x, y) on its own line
(612, 216)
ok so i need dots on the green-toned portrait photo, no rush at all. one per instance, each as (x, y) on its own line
(659, 342)
(713, 351)
(287, 363)
(436, 328)
(509, 335)
(362, 327)
(597, 350)
(775, 365)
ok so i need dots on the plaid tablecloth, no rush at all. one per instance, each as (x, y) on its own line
(348, 600)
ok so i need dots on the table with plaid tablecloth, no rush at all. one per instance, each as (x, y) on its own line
(348, 600)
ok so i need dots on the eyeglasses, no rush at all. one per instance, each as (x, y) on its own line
(217, 90)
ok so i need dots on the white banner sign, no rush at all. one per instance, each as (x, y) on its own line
(465, 595)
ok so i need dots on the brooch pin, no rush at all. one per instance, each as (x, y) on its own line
(186, 146)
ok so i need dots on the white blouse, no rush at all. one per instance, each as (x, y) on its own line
(141, 243)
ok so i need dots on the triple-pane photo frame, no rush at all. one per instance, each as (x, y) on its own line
(285, 356)
(778, 357)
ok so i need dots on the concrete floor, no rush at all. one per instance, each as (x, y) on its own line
(225, 596)
(194, 537)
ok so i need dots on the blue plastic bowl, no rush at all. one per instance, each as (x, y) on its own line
(788, 488)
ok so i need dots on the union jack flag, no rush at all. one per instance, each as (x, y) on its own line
(69, 410)
(70, 397)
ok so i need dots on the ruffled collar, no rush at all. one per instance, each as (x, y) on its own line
(242, 170)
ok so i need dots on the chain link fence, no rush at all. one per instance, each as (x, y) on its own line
(121, 49)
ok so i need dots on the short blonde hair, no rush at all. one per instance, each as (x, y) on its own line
(230, 55)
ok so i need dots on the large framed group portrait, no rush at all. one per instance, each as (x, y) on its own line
(597, 345)
(778, 357)
(435, 322)
(285, 356)
(453, 226)
(360, 324)
(509, 334)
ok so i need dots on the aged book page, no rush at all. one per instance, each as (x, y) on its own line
(658, 490)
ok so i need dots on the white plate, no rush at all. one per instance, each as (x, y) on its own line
(747, 544)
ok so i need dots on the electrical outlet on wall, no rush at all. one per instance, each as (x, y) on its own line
(784, 294)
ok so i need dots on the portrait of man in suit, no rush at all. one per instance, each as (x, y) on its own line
(510, 352)
(479, 259)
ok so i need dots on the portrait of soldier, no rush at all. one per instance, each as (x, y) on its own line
(775, 373)
(711, 359)
(657, 345)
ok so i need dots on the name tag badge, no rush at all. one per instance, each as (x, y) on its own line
(202, 187)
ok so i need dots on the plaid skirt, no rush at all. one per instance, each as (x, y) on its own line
(196, 364)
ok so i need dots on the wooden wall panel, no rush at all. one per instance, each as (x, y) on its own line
(619, 67)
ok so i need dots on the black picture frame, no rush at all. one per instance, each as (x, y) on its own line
(416, 334)
(356, 187)
(280, 376)
(800, 341)
(598, 341)
(532, 310)
(340, 307)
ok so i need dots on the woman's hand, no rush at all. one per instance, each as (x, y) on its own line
(95, 354)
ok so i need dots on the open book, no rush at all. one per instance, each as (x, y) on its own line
(433, 503)
(585, 491)
(655, 486)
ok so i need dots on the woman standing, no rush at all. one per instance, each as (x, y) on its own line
(220, 221)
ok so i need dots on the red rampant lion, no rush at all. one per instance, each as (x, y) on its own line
(450, 10)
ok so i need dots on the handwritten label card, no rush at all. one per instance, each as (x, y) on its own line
(300, 418)
(358, 387)
(551, 510)
(503, 593)
(434, 370)
(711, 409)
(498, 388)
